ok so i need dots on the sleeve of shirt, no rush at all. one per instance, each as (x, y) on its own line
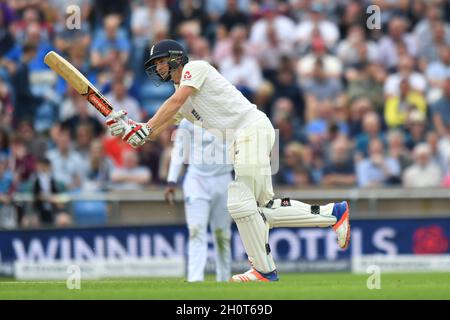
(194, 74)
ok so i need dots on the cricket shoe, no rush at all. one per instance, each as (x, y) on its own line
(253, 275)
(341, 211)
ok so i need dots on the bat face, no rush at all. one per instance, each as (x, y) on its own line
(78, 81)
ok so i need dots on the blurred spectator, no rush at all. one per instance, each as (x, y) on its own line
(148, 16)
(110, 44)
(317, 26)
(131, 176)
(6, 37)
(36, 144)
(8, 217)
(438, 155)
(443, 147)
(331, 65)
(201, 50)
(242, 70)
(6, 105)
(358, 108)
(295, 170)
(187, 11)
(355, 50)
(429, 46)
(233, 16)
(120, 97)
(100, 167)
(441, 110)
(225, 43)
(5, 149)
(350, 14)
(371, 126)
(286, 86)
(46, 194)
(416, 129)
(285, 120)
(377, 169)
(417, 81)
(397, 148)
(397, 35)
(398, 108)
(436, 73)
(22, 163)
(424, 27)
(366, 82)
(340, 171)
(67, 165)
(25, 101)
(83, 137)
(282, 26)
(424, 172)
(82, 116)
(320, 88)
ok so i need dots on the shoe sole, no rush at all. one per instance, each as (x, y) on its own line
(345, 216)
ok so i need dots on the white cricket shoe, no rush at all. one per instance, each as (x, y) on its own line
(253, 275)
(341, 211)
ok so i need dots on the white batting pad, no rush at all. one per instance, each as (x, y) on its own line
(298, 214)
(253, 230)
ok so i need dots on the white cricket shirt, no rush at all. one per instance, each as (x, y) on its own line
(216, 104)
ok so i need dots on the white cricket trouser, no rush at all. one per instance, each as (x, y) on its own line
(250, 154)
(206, 203)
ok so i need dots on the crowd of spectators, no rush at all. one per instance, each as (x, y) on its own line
(355, 105)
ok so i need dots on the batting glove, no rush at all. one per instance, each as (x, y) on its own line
(136, 133)
(117, 122)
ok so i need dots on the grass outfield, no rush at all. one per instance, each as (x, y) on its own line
(290, 286)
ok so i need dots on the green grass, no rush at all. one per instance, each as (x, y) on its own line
(290, 286)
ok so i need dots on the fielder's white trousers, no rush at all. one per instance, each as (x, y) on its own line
(206, 203)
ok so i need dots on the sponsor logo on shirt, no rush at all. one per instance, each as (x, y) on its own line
(187, 75)
(196, 115)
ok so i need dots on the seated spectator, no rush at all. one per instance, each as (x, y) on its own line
(83, 116)
(67, 165)
(397, 148)
(388, 44)
(285, 120)
(398, 108)
(424, 172)
(441, 110)
(47, 204)
(371, 130)
(237, 69)
(358, 108)
(429, 45)
(295, 169)
(109, 44)
(23, 163)
(331, 65)
(417, 80)
(320, 88)
(6, 104)
(316, 25)
(355, 50)
(8, 217)
(233, 16)
(100, 167)
(416, 129)
(436, 73)
(131, 176)
(366, 82)
(340, 171)
(377, 169)
(120, 97)
(83, 138)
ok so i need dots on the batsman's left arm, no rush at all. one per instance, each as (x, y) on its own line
(164, 117)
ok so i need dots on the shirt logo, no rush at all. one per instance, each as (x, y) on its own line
(187, 75)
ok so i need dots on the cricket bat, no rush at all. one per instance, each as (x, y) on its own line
(79, 82)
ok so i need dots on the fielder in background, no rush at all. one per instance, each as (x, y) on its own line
(205, 197)
(205, 97)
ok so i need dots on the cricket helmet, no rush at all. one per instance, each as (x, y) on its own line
(166, 48)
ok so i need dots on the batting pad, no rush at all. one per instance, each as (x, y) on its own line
(293, 213)
(254, 231)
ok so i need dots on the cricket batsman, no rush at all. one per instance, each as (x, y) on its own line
(204, 97)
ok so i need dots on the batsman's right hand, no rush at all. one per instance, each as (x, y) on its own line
(117, 122)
